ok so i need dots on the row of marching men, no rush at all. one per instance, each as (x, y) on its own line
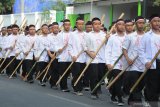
(85, 54)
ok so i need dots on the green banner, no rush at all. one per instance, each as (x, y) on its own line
(139, 8)
(59, 16)
(72, 18)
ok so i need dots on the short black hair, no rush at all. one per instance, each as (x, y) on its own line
(3, 28)
(138, 17)
(105, 29)
(15, 26)
(44, 25)
(50, 25)
(119, 20)
(31, 26)
(79, 18)
(9, 27)
(26, 28)
(89, 23)
(128, 21)
(95, 18)
(54, 23)
(66, 20)
(153, 16)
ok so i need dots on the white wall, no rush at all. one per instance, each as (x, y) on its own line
(30, 17)
(130, 11)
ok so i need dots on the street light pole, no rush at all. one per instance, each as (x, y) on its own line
(144, 7)
(91, 9)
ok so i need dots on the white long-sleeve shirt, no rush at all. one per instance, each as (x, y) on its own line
(113, 50)
(149, 46)
(131, 44)
(63, 38)
(93, 42)
(53, 39)
(20, 46)
(76, 43)
(30, 40)
(11, 42)
(3, 42)
(40, 44)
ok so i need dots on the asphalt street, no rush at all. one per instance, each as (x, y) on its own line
(17, 93)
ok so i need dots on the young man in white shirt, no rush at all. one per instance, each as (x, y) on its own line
(10, 48)
(2, 46)
(64, 58)
(41, 46)
(29, 52)
(129, 26)
(76, 43)
(112, 53)
(52, 52)
(130, 51)
(93, 41)
(88, 28)
(9, 30)
(149, 46)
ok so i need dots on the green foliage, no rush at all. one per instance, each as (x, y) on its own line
(6, 5)
(157, 2)
(81, 1)
(60, 6)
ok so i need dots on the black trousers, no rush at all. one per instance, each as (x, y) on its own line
(53, 72)
(3, 65)
(116, 89)
(152, 86)
(101, 72)
(62, 67)
(76, 71)
(93, 76)
(130, 79)
(13, 66)
(39, 68)
(27, 65)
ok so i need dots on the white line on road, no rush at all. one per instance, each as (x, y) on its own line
(68, 100)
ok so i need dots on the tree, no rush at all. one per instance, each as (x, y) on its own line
(60, 6)
(6, 5)
(157, 2)
(82, 1)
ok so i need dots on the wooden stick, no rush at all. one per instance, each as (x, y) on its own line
(33, 66)
(68, 69)
(120, 74)
(43, 70)
(36, 22)
(17, 67)
(102, 19)
(1, 22)
(48, 68)
(106, 75)
(40, 73)
(15, 22)
(49, 78)
(5, 58)
(22, 22)
(103, 42)
(143, 74)
(9, 63)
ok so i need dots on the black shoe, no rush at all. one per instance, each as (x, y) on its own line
(54, 87)
(65, 90)
(120, 103)
(94, 97)
(86, 88)
(42, 84)
(114, 100)
(30, 81)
